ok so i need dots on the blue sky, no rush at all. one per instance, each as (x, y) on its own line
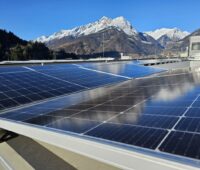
(30, 19)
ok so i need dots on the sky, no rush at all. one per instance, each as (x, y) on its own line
(30, 19)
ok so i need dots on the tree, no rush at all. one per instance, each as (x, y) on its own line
(16, 53)
(38, 51)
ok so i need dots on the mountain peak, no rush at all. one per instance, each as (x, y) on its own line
(120, 18)
(172, 33)
(166, 36)
(104, 18)
(120, 23)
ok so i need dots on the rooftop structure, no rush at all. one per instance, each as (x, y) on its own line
(124, 114)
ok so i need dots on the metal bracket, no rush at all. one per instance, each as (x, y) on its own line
(7, 135)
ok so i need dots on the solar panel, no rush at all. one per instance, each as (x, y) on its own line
(138, 136)
(22, 85)
(182, 143)
(158, 114)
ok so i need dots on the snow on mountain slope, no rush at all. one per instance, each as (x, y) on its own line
(171, 33)
(120, 23)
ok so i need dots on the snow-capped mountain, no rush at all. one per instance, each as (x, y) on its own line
(172, 33)
(119, 36)
(182, 44)
(166, 36)
(120, 23)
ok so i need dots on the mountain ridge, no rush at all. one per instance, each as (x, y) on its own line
(166, 36)
(170, 32)
(162, 35)
(120, 23)
(117, 35)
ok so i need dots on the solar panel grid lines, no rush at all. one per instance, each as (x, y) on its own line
(126, 134)
(132, 125)
(173, 128)
(153, 121)
(113, 117)
(160, 111)
(193, 112)
(88, 79)
(56, 78)
(26, 116)
(64, 113)
(34, 85)
(23, 90)
(105, 72)
(74, 115)
(185, 131)
(187, 144)
(182, 116)
(189, 125)
(117, 143)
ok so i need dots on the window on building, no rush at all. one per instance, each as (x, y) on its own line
(196, 46)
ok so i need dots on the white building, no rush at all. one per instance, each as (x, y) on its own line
(194, 48)
(124, 57)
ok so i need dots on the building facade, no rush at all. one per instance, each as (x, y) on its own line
(194, 48)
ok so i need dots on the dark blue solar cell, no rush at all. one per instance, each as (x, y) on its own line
(22, 100)
(5, 88)
(45, 94)
(138, 136)
(23, 90)
(73, 125)
(21, 116)
(196, 104)
(189, 124)
(182, 143)
(34, 97)
(193, 112)
(3, 96)
(12, 93)
(42, 120)
(165, 122)
(36, 110)
(8, 103)
(1, 107)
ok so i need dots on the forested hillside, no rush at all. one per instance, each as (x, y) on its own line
(14, 48)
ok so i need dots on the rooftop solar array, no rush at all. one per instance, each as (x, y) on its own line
(158, 114)
(22, 85)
